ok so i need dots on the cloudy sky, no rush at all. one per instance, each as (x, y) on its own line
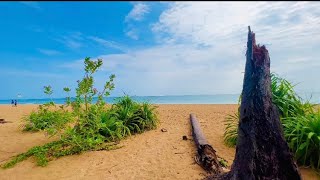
(154, 48)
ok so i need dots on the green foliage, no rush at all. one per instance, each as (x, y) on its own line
(50, 120)
(96, 127)
(48, 117)
(48, 90)
(285, 98)
(300, 123)
(69, 146)
(128, 117)
(303, 135)
(223, 162)
(68, 100)
(231, 132)
(137, 117)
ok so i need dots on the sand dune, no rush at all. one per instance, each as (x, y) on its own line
(151, 155)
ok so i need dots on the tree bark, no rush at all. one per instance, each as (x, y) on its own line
(261, 151)
(206, 156)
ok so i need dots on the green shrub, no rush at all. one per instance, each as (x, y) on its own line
(127, 117)
(303, 136)
(50, 120)
(149, 116)
(285, 98)
(138, 117)
(111, 128)
(127, 111)
(48, 117)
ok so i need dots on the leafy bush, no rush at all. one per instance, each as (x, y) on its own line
(44, 119)
(48, 117)
(96, 126)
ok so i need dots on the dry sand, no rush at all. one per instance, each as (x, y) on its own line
(151, 155)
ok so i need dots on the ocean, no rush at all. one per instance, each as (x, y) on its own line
(183, 99)
(186, 99)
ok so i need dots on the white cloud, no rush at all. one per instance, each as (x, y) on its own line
(72, 41)
(176, 69)
(32, 4)
(138, 12)
(72, 44)
(133, 34)
(212, 22)
(106, 43)
(49, 52)
(201, 48)
(291, 30)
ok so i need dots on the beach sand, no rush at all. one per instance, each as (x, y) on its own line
(151, 155)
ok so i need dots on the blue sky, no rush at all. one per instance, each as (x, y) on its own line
(154, 48)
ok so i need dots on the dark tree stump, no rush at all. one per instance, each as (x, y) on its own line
(206, 156)
(261, 151)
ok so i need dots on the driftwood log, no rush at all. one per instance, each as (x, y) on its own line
(261, 151)
(206, 156)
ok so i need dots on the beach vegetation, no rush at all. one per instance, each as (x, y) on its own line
(48, 117)
(300, 122)
(302, 133)
(96, 125)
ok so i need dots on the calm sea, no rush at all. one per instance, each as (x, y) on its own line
(186, 99)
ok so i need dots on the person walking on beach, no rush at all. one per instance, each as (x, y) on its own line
(12, 102)
(15, 103)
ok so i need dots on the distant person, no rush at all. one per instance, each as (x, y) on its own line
(15, 103)
(12, 103)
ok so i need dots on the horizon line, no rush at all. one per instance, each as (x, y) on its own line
(129, 95)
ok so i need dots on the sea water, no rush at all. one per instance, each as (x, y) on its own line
(182, 99)
(185, 99)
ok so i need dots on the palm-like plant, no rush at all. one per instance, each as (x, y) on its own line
(303, 136)
(285, 98)
(148, 116)
(111, 128)
(231, 131)
(128, 117)
(127, 111)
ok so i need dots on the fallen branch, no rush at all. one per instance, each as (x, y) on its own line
(206, 156)
(2, 121)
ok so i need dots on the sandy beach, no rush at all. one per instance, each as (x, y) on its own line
(151, 155)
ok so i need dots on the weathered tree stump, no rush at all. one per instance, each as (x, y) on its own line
(206, 156)
(261, 151)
